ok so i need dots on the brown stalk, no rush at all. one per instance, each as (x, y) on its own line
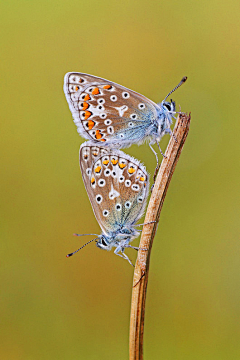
(140, 278)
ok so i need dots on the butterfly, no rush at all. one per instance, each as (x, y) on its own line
(117, 186)
(113, 116)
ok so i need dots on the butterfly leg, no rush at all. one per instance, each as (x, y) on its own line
(157, 167)
(135, 247)
(124, 256)
(163, 155)
(120, 248)
(150, 222)
(169, 131)
(154, 154)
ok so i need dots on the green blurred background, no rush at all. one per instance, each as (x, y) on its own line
(78, 308)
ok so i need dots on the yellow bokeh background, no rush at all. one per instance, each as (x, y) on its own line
(78, 308)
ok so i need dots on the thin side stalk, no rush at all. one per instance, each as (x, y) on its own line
(140, 278)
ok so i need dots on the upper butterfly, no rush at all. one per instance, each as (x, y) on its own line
(113, 115)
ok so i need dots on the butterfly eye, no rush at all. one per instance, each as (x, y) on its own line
(99, 198)
(168, 106)
(113, 98)
(104, 242)
(118, 207)
(105, 213)
(125, 95)
(133, 116)
(141, 106)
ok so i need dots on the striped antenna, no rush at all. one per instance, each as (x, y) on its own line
(71, 254)
(181, 82)
(84, 234)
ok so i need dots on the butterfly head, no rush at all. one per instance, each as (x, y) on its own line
(104, 242)
(165, 117)
(168, 107)
(119, 237)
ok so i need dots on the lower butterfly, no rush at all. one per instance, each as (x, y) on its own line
(117, 186)
(114, 116)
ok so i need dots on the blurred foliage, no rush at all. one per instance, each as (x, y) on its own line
(78, 308)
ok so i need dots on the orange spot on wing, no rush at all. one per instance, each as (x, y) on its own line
(114, 162)
(87, 114)
(103, 140)
(142, 178)
(87, 97)
(76, 88)
(108, 87)
(98, 169)
(95, 91)
(131, 170)
(122, 165)
(85, 105)
(98, 135)
(92, 180)
(105, 162)
(90, 124)
(85, 156)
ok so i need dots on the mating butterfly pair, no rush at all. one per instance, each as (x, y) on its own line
(113, 117)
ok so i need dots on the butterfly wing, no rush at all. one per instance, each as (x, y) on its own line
(107, 112)
(117, 186)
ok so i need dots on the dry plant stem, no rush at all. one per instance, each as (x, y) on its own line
(140, 278)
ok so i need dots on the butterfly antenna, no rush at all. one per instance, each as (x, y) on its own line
(176, 87)
(68, 255)
(84, 234)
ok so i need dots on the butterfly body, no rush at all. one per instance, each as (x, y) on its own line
(112, 115)
(117, 186)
